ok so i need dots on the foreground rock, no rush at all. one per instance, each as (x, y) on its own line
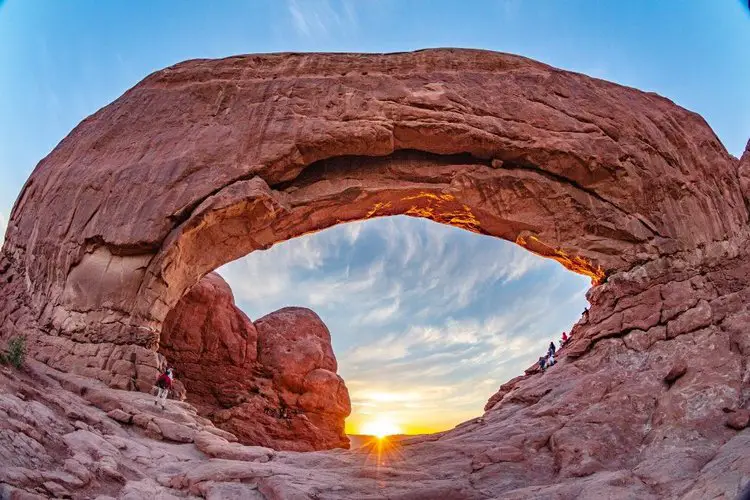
(550, 436)
(63, 435)
(272, 383)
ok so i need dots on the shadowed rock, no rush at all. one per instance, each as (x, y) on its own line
(272, 383)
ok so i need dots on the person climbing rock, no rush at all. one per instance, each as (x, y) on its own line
(564, 339)
(542, 362)
(551, 350)
(551, 359)
(164, 385)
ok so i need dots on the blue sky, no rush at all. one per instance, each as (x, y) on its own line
(61, 61)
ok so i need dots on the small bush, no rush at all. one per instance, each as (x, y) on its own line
(15, 353)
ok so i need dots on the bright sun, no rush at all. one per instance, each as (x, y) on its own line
(381, 427)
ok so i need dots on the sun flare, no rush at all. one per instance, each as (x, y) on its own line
(381, 427)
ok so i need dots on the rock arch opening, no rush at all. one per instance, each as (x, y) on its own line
(499, 198)
(426, 321)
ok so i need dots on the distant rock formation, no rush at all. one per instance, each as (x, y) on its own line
(272, 383)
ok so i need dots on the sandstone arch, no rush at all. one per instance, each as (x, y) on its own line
(205, 161)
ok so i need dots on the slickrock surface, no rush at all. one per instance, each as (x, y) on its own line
(272, 383)
(208, 160)
(579, 431)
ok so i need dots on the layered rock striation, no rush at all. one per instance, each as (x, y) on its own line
(272, 383)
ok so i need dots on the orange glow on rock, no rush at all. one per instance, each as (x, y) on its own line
(444, 209)
(575, 263)
(377, 208)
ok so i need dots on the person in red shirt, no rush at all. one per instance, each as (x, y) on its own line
(164, 384)
(564, 339)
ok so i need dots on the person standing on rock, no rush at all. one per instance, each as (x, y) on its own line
(551, 350)
(164, 385)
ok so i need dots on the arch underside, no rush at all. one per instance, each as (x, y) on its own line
(517, 203)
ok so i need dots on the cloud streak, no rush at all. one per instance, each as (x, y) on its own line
(321, 18)
(426, 320)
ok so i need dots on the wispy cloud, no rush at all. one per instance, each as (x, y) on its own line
(510, 8)
(319, 18)
(379, 315)
(378, 266)
(501, 345)
(429, 315)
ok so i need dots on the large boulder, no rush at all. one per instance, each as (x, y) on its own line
(272, 383)
(211, 342)
(292, 342)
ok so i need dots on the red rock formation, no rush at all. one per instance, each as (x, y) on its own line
(293, 342)
(206, 161)
(655, 382)
(211, 342)
(272, 384)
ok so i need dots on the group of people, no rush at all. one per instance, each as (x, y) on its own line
(549, 359)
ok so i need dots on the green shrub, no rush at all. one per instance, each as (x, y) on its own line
(15, 353)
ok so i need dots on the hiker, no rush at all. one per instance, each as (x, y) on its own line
(564, 339)
(542, 362)
(550, 359)
(551, 350)
(164, 385)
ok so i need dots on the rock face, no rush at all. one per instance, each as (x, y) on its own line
(66, 435)
(272, 384)
(654, 389)
(208, 160)
(213, 344)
